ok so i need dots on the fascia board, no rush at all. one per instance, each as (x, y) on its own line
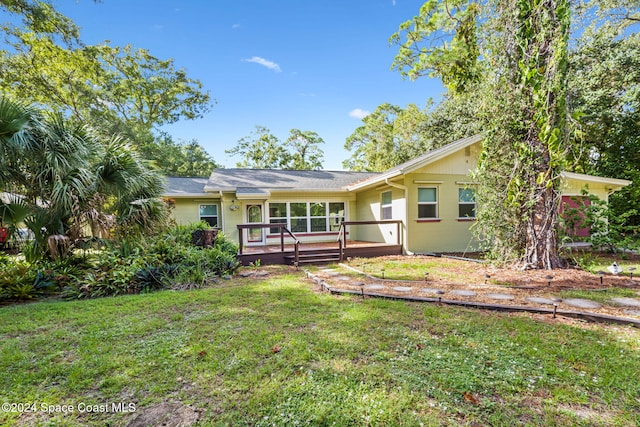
(596, 179)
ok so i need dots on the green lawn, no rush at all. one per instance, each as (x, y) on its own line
(413, 268)
(276, 353)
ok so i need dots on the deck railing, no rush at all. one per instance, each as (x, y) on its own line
(283, 228)
(342, 232)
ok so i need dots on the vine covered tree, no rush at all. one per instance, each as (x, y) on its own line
(523, 80)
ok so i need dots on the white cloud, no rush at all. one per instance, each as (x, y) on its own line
(358, 113)
(393, 2)
(265, 63)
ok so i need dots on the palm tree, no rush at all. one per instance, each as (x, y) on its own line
(71, 181)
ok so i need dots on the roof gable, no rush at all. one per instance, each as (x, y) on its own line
(419, 162)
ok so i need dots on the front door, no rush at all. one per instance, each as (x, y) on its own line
(254, 215)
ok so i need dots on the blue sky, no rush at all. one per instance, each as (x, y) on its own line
(315, 65)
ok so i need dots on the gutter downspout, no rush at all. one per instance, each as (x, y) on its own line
(221, 212)
(405, 249)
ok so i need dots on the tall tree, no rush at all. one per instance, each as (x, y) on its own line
(372, 144)
(102, 84)
(178, 158)
(526, 45)
(260, 150)
(40, 17)
(392, 135)
(263, 150)
(115, 89)
(305, 151)
(605, 88)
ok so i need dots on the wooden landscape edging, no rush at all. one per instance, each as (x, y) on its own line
(592, 317)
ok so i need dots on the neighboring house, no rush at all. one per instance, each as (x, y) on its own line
(431, 196)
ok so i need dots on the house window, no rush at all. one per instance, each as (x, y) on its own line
(209, 214)
(427, 203)
(318, 215)
(336, 215)
(385, 205)
(466, 203)
(277, 215)
(298, 212)
(305, 217)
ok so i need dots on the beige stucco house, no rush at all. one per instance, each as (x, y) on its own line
(431, 198)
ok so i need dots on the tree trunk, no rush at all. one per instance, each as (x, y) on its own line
(542, 38)
(541, 250)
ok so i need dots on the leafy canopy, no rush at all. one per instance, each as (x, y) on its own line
(263, 150)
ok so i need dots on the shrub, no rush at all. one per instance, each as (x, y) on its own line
(152, 277)
(126, 266)
(20, 282)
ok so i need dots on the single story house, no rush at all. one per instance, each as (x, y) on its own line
(424, 205)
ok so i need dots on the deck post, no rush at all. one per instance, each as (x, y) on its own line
(344, 237)
(240, 240)
(281, 239)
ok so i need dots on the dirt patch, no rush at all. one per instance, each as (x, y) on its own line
(548, 281)
(166, 415)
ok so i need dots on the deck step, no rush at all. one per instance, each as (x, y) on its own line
(321, 257)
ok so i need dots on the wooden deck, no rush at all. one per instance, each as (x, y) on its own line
(300, 252)
(315, 253)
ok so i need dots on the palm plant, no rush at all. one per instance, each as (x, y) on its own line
(133, 187)
(70, 181)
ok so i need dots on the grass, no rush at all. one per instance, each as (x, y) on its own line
(276, 353)
(413, 268)
(601, 295)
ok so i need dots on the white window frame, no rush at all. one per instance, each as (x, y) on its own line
(279, 218)
(305, 217)
(384, 206)
(437, 213)
(336, 219)
(216, 216)
(328, 217)
(460, 203)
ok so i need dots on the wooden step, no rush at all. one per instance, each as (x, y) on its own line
(311, 257)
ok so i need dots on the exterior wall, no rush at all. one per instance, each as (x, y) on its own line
(446, 233)
(459, 163)
(574, 187)
(232, 211)
(187, 210)
(369, 209)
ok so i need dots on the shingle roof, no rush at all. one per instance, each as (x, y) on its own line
(178, 186)
(282, 180)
